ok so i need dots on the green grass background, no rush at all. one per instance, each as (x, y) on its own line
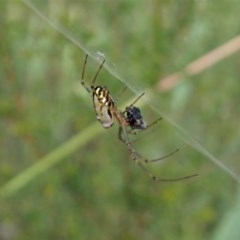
(97, 192)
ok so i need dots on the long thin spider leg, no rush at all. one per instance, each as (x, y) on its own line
(96, 75)
(134, 132)
(139, 132)
(122, 131)
(138, 162)
(154, 122)
(136, 158)
(159, 159)
(143, 131)
(120, 137)
(134, 102)
(175, 179)
(122, 91)
(133, 154)
(120, 134)
(83, 73)
(164, 157)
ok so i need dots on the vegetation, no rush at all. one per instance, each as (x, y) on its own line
(98, 192)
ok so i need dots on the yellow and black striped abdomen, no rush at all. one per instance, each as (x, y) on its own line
(103, 103)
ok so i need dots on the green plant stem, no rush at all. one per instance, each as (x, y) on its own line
(51, 159)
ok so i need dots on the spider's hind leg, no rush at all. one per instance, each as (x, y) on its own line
(139, 159)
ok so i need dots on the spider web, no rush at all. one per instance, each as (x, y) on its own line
(189, 138)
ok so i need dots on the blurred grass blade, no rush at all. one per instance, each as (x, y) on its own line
(229, 228)
(50, 160)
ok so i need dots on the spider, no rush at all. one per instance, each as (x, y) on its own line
(129, 120)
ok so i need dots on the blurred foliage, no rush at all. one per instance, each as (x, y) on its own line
(98, 192)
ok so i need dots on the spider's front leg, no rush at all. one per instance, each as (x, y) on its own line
(88, 89)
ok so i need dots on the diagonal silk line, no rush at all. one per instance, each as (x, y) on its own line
(111, 68)
(55, 26)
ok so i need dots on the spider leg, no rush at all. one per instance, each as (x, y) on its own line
(132, 104)
(133, 153)
(154, 122)
(135, 131)
(161, 158)
(138, 159)
(138, 162)
(83, 72)
(122, 131)
(145, 159)
(131, 131)
(96, 75)
(122, 91)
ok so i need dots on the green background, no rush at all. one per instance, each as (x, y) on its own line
(98, 192)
